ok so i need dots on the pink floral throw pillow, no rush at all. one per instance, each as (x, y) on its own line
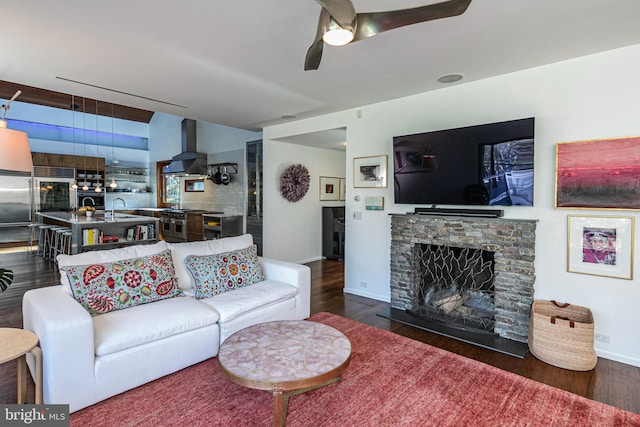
(215, 274)
(102, 288)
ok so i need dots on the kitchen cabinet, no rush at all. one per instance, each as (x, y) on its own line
(68, 161)
(194, 227)
(218, 226)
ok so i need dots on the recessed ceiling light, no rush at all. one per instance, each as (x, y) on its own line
(451, 78)
(288, 116)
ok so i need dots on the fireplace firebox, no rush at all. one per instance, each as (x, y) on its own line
(456, 287)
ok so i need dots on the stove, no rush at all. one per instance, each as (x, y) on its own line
(174, 225)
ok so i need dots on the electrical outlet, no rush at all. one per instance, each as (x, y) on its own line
(603, 338)
(363, 284)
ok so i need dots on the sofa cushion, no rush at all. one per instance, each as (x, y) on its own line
(215, 274)
(99, 257)
(179, 251)
(119, 330)
(109, 286)
(231, 305)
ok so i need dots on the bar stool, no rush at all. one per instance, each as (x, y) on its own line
(44, 233)
(50, 238)
(62, 243)
(34, 233)
(56, 247)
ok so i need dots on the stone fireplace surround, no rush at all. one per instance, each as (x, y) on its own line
(511, 240)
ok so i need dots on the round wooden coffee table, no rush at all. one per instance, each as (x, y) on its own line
(286, 358)
(15, 343)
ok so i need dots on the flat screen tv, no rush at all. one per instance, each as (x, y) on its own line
(484, 165)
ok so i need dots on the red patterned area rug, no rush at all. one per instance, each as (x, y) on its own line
(391, 381)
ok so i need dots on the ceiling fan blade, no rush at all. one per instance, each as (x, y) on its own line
(314, 54)
(370, 24)
(342, 11)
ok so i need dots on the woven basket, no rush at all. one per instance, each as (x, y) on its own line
(562, 335)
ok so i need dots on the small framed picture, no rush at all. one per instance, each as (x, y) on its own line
(370, 171)
(193, 185)
(373, 203)
(329, 188)
(601, 246)
(343, 189)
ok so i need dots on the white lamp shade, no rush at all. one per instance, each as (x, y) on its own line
(337, 37)
(16, 154)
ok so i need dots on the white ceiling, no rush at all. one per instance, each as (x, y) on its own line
(240, 63)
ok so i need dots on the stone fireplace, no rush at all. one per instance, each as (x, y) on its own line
(472, 273)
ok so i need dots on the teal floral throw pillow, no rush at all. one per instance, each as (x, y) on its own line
(102, 288)
(215, 274)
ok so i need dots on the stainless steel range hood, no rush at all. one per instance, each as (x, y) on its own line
(189, 162)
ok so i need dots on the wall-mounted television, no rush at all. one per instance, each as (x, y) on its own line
(483, 165)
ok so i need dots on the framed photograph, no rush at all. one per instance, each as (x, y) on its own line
(370, 171)
(343, 189)
(329, 188)
(374, 203)
(598, 174)
(601, 246)
(193, 185)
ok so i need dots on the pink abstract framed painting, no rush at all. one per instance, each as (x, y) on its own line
(598, 174)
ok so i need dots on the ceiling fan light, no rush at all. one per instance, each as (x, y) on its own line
(336, 35)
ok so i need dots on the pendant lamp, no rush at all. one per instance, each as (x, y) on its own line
(97, 189)
(73, 136)
(85, 187)
(114, 162)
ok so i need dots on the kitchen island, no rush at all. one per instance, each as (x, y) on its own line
(102, 231)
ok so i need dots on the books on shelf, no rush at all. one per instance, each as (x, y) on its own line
(92, 236)
(95, 236)
(141, 232)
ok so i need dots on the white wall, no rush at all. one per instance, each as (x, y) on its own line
(585, 98)
(294, 230)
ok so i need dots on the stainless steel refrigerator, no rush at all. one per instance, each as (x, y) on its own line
(16, 206)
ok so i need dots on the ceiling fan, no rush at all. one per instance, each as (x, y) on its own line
(339, 24)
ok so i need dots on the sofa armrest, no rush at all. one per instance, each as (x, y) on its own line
(293, 274)
(65, 331)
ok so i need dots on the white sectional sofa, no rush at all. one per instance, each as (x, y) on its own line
(88, 358)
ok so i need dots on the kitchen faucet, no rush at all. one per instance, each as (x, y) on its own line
(113, 207)
(93, 202)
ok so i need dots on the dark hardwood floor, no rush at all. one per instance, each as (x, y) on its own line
(610, 382)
